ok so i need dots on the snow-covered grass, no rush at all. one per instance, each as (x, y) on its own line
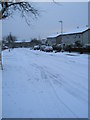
(44, 85)
(0, 93)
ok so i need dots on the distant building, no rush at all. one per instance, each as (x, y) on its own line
(70, 38)
(21, 44)
(0, 54)
(26, 44)
(18, 44)
(54, 39)
(43, 41)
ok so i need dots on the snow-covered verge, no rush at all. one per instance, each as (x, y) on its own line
(44, 85)
(0, 93)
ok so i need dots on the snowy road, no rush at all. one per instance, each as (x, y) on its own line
(44, 85)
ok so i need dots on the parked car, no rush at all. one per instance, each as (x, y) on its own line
(57, 47)
(36, 47)
(87, 46)
(4, 47)
(42, 48)
(48, 49)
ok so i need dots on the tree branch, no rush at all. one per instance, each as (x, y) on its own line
(7, 8)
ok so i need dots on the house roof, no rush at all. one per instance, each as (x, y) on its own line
(21, 41)
(54, 35)
(69, 33)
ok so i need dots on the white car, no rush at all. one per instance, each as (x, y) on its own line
(36, 47)
(87, 46)
(42, 48)
(48, 49)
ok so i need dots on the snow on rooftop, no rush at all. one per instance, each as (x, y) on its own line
(19, 41)
(54, 35)
(80, 30)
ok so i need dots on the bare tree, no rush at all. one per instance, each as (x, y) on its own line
(24, 8)
(10, 40)
(7, 8)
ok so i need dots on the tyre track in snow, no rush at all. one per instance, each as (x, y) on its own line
(70, 86)
(52, 78)
(44, 72)
(58, 97)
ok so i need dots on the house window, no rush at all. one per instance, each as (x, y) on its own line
(67, 37)
(79, 36)
(75, 36)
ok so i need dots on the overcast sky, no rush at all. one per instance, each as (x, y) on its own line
(72, 14)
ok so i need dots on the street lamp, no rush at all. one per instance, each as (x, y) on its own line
(61, 26)
(77, 27)
(61, 33)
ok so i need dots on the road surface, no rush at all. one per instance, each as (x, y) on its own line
(44, 85)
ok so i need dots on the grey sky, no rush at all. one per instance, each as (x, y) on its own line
(73, 14)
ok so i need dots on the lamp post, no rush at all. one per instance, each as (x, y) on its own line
(61, 33)
(77, 27)
(61, 26)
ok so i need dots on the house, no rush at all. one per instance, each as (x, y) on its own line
(54, 39)
(70, 38)
(86, 36)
